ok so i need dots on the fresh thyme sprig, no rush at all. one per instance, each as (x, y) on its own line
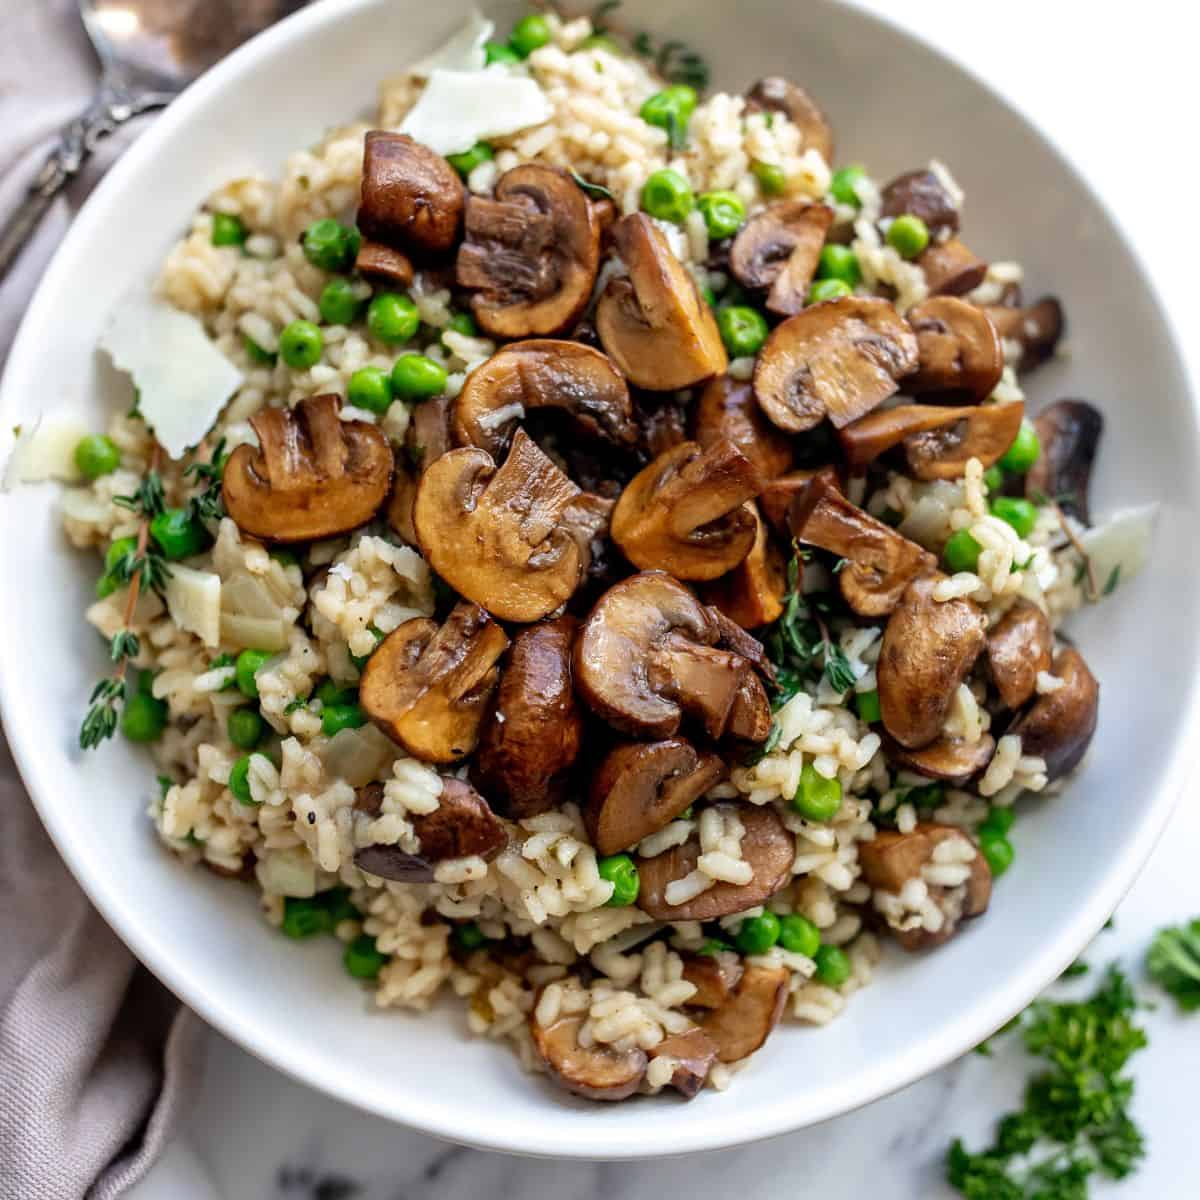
(208, 504)
(800, 644)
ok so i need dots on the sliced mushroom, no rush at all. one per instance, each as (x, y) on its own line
(732, 636)
(775, 500)
(922, 194)
(928, 647)
(1059, 725)
(428, 436)
(311, 476)
(532, 253)
(938, 442)
(892, 859)
(776, 94)
(412, 198)
(382, 262)
(496, 535)
(427, 688)
(400, 506)
(779, 248)
(950, 268)
(654, 322)
(595, 1072)
(1019, 646)
(751, 595)
(957, 348)
(641, 787)
(952, 760)
(542, 373)
(693, 1054)
(1069, 432)
(743, 1023)
(766, 845)
(588, 517)
(461, 826)
(880, 563)
(646, 657)
(728, 410)
(533, 733)
(686, 512)
(714, 976)
(1036, 329)
(838, 359)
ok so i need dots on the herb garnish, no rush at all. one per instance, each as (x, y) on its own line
(1173, 962)
(596, 190)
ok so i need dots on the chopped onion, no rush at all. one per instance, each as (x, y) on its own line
(289, 872)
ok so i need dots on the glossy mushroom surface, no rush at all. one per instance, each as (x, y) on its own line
(958, 349)
(778, 250)
(1019, 647)
(728, 411)
(1069, 432)
(776, 94)
(1059, 726)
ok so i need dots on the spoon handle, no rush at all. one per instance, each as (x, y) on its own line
(112, 106)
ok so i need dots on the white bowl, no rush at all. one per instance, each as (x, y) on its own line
(894, 103)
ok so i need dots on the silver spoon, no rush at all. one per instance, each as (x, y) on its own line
(149, 51)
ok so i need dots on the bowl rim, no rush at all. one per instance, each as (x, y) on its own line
(979, 1019)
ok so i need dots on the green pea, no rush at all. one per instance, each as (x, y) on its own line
(833, 966)
(463, 323)
(843, 185)
(621, 871)
(668, 196)
(1018, 512)
(711, 946)
(118, 550)
(393, 318)
(96, 455)
(928, 795)
(105, 586)
(756, 935)
(839, 262)
(798, 935)
(908, 235)
(285, 557)
(993, 479)
(867, 704)
(336, 902)
(330, 245)
(143, 718)
(530, 33)
(828, 289)
(670, 109)
(304, 917)
(468, 160)
(245, 728)
(999, 820)
(370, 388)
(771, 178)
(723, 213)
(178, 533)
(239, 780)
(256, 354)
(330, 693)
(415, 377)
(817, 798)
(496, 52)
(337, 717)
(708, 296)
(248, 663)
(997, 850)
(362, 959)
(338, 304)
(227, 230)
(300, 345)
(1025, 450)
(961, 552)
(743, 329)
(602, 41)
(468, 936)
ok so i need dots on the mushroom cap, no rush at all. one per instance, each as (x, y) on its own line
(596, 1072)
(412, 198)
(542, 373)
(952, 760)
(532, 253)
(880, 563)
(776, 94)
(922, 194)
(589, 518)
(376, 259)
(745, 1021)
(928, 648)
(958, 350)
(641, 787)
(1019, 646)
(727, 410)
(1036, 329)
(1059, 725)
(776, 498)
(714, 976)
(686, 512)
(837, 359)
(751, 595)
(1069, 432)
(693, 1053)
(654, 323)
(428, 436)
(766, 845)
(496, 535)
(400, 503)
(311, 476)
(779, 248)
(533, 733)
(427, 688)
(951, 269)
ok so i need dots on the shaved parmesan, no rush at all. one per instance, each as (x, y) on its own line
(459, 108)
(1120, 547)
(183, 379)
(44, 450)
(194, 602)
(461, 51)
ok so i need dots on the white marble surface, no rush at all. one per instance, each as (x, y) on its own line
(1113, 84)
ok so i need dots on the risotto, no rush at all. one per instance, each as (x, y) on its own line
(615, 581)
